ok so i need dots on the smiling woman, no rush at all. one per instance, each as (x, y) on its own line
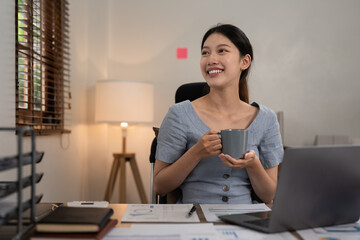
(239, 44)
(42, 65)
(189, 150)
(216, 57)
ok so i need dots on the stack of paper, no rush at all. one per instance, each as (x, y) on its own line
(191, 231)
(347, 231)
(159, 213)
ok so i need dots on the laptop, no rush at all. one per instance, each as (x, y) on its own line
(317, 186)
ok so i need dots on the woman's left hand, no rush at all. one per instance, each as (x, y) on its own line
(250, 160)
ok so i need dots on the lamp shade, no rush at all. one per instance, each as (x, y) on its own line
(124, 101)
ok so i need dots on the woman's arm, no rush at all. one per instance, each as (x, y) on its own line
(263, 181)
(168, 177)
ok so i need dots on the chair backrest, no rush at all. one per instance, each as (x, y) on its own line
(191, 91)
(332, 140)
(187, 91)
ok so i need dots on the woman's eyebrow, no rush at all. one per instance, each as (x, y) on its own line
(223, 45)
(220, 45)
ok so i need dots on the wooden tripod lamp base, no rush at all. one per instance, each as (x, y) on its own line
(124, 102)
(119, 163)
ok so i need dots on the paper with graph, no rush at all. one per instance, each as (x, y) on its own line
(231, 232)
(158, 231)
(159, 213)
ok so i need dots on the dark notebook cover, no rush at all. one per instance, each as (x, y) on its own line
(98, 235)
(75, 219)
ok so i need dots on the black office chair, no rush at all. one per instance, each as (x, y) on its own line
(187, 91)
(191, 91)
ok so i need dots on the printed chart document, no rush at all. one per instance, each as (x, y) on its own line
(196, 231)
(339, 232)
(159, 213)
(211, 211)
(230, 232)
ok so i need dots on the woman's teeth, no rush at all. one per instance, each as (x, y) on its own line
(215, 71)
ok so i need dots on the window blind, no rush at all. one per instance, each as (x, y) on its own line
(42, 65)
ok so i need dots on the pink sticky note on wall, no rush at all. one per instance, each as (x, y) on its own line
(181, 53)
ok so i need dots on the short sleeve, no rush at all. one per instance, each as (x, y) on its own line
(171, 141)
(271, 149)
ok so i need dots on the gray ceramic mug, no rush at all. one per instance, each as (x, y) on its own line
(234, 142)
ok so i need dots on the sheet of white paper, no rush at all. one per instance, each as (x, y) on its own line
(189, 231)
(338, 232)
(230, 232)
(159, 213)
(211, 211)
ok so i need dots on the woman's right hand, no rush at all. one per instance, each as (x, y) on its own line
(209, 144)
(170, 176)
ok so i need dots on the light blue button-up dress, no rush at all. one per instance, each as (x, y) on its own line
(211, 182)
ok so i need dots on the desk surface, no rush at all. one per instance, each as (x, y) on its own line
(119, 210)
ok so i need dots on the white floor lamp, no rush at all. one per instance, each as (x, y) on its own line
(124, 102)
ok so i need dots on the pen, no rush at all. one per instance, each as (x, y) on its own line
(192, 210)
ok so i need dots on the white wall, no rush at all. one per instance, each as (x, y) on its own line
(306, 55)
(7, 61)
(306, 64)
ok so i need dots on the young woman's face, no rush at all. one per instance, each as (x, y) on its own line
(220, 61)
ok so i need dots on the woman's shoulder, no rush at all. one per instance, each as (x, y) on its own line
(178, 110)
(180, 105)
(264, 111)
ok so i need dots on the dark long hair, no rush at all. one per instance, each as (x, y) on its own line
(240, 40)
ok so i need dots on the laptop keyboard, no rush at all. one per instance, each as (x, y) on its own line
(260, 222)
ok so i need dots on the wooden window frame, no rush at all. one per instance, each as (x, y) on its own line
(42, 65)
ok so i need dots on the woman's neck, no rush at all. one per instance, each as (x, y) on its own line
(225, 100)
